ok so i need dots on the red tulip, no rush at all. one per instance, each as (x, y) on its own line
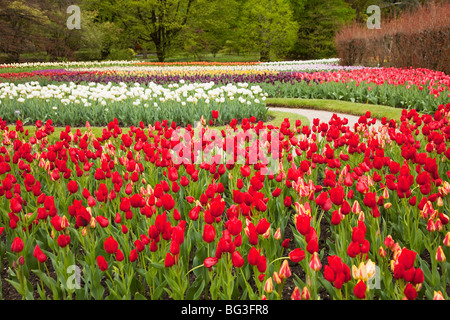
(253, 256)
(370, 199)
(133, 255)
(410, 292)
(337, 195)
(237, 260)
(56, 222)
(102, 221)
(209, 233)
(169, 261)
(303, 223)
(209, 262)
(261, 264)
(262, 226)
(110, 245)
(63, 240)
(336, 218)
(407, 258)
(119, 255)
(38, 254)
(328, 274)
(234, 226)
(287, 202)
(360, 290)
(17, 245)
(15, 205)
(102, 263)
(168, 202)
(297, 255)
(125, 204)
(276, 192)
(72, 186)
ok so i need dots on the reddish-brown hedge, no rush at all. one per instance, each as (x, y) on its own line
(418, 39)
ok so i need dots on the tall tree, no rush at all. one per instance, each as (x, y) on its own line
(319, 20)
(211, 25)
(20, 21)
(156, 21)
(268, 27)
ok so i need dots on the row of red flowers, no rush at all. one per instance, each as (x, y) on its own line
(136, 222)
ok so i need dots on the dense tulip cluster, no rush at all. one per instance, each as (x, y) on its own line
(361, 212)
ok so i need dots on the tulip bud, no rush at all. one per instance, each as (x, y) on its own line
(447, 239)
(296, 294)
(277, 235)
(285, 270)
(361, 216)
(268, 286)
(438, 225)
(389, 242)
(387, 205)
(84, 232)
(431, 226)
(438, 296)
(440, 256)
(266, 235)
(356, 208)
(64, 222)
(315, 264)
(305, 294)
(382, 252)
(277, 278)
(93, 223)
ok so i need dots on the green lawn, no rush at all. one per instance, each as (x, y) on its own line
(357, 109)
(276, 118)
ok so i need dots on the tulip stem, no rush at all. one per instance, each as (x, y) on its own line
(277, 259)
(444, 277)
(197, 267)
(245, 280)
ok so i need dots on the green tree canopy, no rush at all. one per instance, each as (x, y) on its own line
(318, 22)
(268, 27)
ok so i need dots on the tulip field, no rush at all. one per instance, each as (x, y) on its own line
(188, 193)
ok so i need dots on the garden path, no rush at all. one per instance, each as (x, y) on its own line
(324, 116)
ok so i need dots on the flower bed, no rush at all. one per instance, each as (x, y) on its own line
(420, 89)
(183, 103)
(159, 213)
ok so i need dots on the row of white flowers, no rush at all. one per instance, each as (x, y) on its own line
(255, 68)
(126, 65)
(87, 94)
(68, 64)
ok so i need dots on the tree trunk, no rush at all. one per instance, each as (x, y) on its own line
(264, 55)
(144, 53)
(160, 53)
(13, 57)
